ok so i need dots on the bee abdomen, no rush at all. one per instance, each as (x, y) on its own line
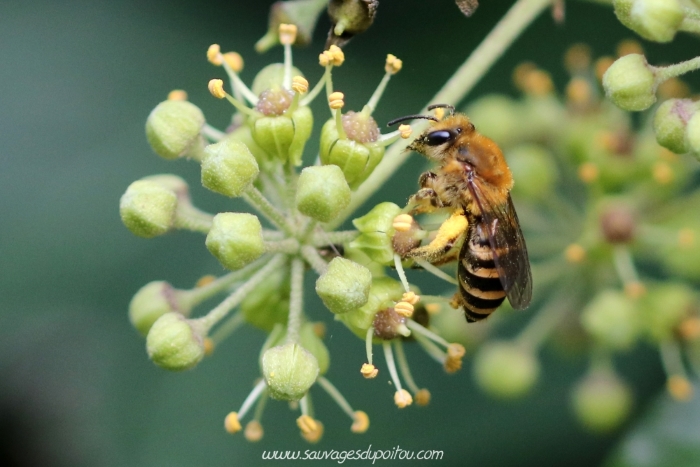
(480, 289)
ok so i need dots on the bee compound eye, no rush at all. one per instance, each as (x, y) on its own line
(438, 137)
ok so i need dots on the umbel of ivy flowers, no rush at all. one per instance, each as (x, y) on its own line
(270, 249)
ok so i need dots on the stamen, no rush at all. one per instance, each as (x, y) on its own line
(177, 95)
(401, 272)
(414, 326)
(288, 34)
(252, 397)
(337, 397)
(403, 366)
(402, 398)
(214, 55)
(435, 271)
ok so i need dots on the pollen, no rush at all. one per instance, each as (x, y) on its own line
(306, 424)
(177, 95)
(422, 397)
(369, 371)
(205, 280)
(404, 309)
(231, 423)
(360, 422)
(602, 65)
(253, 431)
(402, 222)
(453, 362)
(662, 173)
(588, 172)
(439, 113)
(300, 85)
(402, 398)
(629, 46)
(336, 54)
(208, 346)
(575, 253)
(433, 308)
(578, 58)
(410, 297)
(216, 88)
(315, 435)
(324, 58)
(689, 329)
(686, 238)
(673, 88)
(393, 65)
(234, 60)
(680, 388)
(336, 100)
(635, 289)
(405, 131)
(288, 34)
(579, 92)
(214, 55)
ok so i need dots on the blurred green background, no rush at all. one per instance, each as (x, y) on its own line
(76, 387)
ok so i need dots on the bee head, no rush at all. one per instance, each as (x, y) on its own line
(443, 136)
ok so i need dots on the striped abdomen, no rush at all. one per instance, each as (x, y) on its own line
(480, 289)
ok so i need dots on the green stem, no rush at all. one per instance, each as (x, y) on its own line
(328, 238)
(296, 301)
(374, 100)
(240, 86)
(671, 358)
(288, 246)
(521, 14)
(672, 71)
(252, 397)
(624, 265)
(212, 133)
(200, 294)
(222, 309)
(336, 396)
(389, 356)
(403, 366)
(226, 329)
(271, 213)
(317, 89)
(418, 328)
(312, 257)
(188, 217)
(690, 24)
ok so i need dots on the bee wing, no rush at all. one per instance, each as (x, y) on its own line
(507, 243)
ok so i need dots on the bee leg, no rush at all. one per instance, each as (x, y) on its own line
(449, 233)
(426, 179)
(425, 200)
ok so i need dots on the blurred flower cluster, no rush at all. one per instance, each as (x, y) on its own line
(597, 198)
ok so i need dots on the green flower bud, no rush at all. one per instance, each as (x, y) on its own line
(601, 401)
(289, 371)
(284, 135)
(244, 134)
(348, 18)
(148, 207)
(359, 257)
(173, 128)
(322, 192)
(692, 134)
(235, 239)
(344, 286)
(383, 294)
(228, 168)
(271, 77)
(655, 20)
(534, 169)
(268, 303)
(314, 344)
(175, 343)
(154, 300)
(612, 319)
(505, 370)
(670, 121)
(664, 307)
(356, 159)
(301, 13)
(376, 233)
(630, 83)
(498, 117)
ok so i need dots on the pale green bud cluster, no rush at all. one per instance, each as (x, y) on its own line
(655, 20)
(345, 286)
(175, 342)
(289, 371)
(322, 192)
(235, 239)
(630, 83)
(173, 129)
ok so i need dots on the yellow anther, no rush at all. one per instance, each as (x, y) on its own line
(393, 65)
(588, 172)
(324, 59)
(402, 398)
(689, 329)
(602, 65)
(231, 423)
(422, 397)
(315, 435)
(680, 388)
(629, 46)
(577, 58)
(635, 289)
(320, 329)
(455, 350)
(439, 113)
(253, 431)
(433, 308)
(662, 173)
(402, 223)
(336, 55)
(686, 238)
(300, 85)
(208, 346)
(369, 371)
(453, 362)
(410, 297)
(234, 60)
(404, 309)
(288, 34)
(205, 280)
(360, 422)
(405, 131)
(216, 88)
(214, 55)
(538, 82)
(336, 100)
(574, 253)
(177, 95)
(306, 424)
(579, 91)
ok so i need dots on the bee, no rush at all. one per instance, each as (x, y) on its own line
(472, 181)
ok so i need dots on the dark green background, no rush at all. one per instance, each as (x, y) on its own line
(77, 81)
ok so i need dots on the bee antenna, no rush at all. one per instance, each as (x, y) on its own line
(411, 117)
(443, 106)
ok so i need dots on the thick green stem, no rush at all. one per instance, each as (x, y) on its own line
(312, 257)
(271, 213)
(671, 71)
(521, 14)
(337, 396)
(296, 301)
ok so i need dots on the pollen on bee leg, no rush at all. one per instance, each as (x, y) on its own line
(214, 55)
(177, 95)
(287, 33)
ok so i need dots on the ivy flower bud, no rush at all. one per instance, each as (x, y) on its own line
(383, 294)
(173, 127)
(663, 309)
(228, 168)
(348, 18)
(612, 319)
(655, 20)
(692, 134)
(154, 300)
(670, 122)
(148, 206)
(301, 13)
(175, 343)
(534, 168)
(344, 286)
(358, 153)
(289, 371)
(601, 401)
(376, 233)
(235, 239)
(314, 344)
(268, 303)
(630, 83)
(271, 77)
(322, 192)
(505, 370)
